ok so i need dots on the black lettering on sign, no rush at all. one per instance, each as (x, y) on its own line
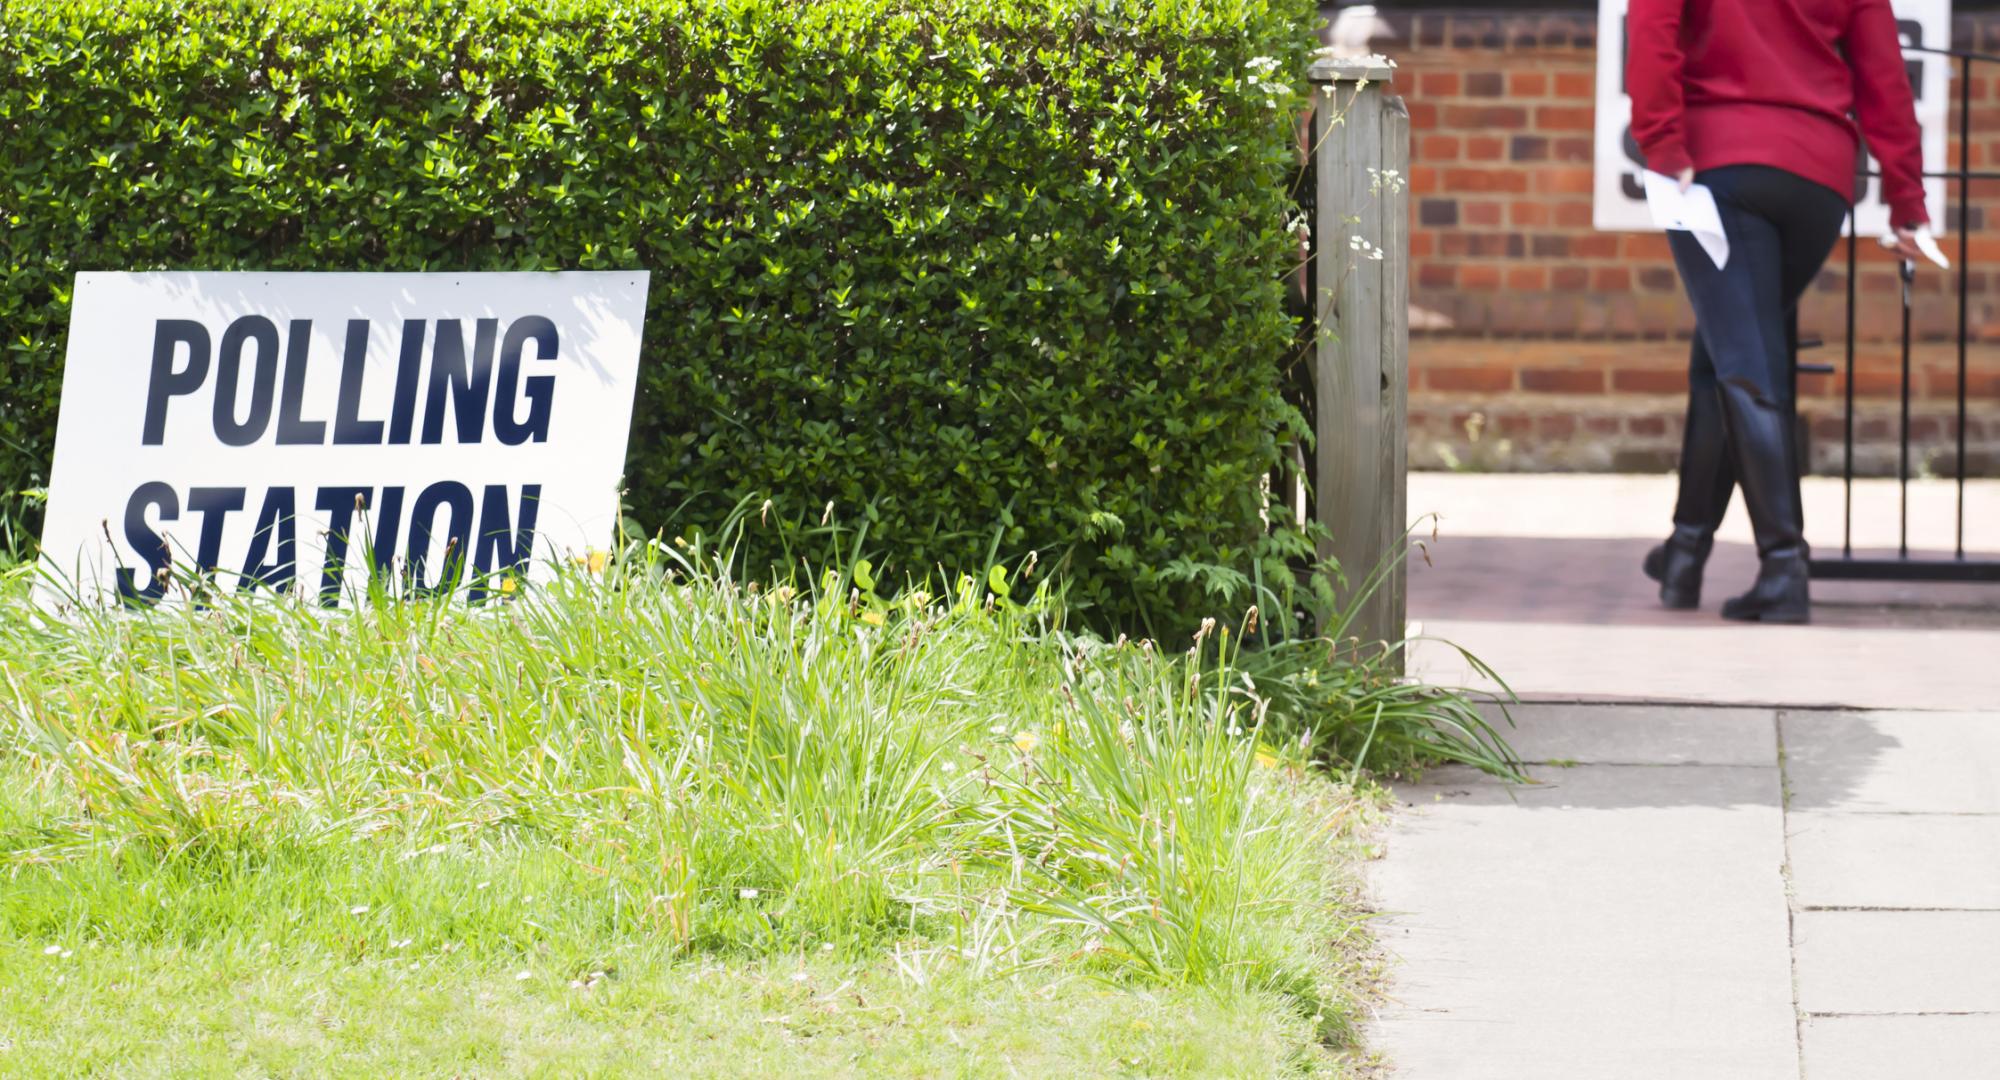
(388, 524)
(229, 371)
(468, 389)
(168, 336)
(293, 430)
(277, 521)
(540, 389)
(504, 547)
(456, 499)
(348, 427)
(339, 505)
(404, 412)
(149, 545)
(214, 504)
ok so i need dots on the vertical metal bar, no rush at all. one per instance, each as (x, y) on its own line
(1964, 269)
(1906, 270)
(1847, 458)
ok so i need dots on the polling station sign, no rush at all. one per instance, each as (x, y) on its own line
(436, 432)
(1619, 196)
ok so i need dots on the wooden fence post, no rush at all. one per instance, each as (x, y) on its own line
(1361, 136)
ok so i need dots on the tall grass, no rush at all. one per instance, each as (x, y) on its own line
(657, 753)
(648, 756)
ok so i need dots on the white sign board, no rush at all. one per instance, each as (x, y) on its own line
(1620, 197)
(309, 433)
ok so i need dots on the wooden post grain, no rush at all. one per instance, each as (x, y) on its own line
(1361, 136)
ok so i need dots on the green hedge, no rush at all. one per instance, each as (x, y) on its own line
(975, 272)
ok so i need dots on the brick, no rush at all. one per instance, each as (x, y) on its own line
(1658, 278)
(1604, 425)
(1556, 426)
(1565, 181)
(1576, 84)
(1573, 150)
(1470, 380)
(1648, 381)
(1479, 276)
(1483, 180)
(1564, 118)
(1594, 246)
(1437, 148)
(1481, 213)
(1528, 148)
(1551, 247)
(1422, 244)
(1632, 459)
(1455, 245)
(1653, 247)
(1611, 279)
(1573, 214)
(1438, 84)
(1423, 179)
(1647, 425)
(1515, 425)
(1484, 117)
(1525, 212)
(1432, 275)
(1476, 32)
(1527, 278)
(1485, 148)
(1485, 84)
(1562, 381)
(1522, 84)
(1438, 212)
(1423, 115)
(1570, 278)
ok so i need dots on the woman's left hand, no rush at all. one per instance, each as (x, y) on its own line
(1686, 178)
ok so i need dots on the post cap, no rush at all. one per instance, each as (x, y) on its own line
(1375, 69)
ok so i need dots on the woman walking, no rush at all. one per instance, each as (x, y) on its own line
(1759, 100)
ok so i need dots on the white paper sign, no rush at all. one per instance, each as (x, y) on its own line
(1619, 200)
(309, 433)
(1693, 210)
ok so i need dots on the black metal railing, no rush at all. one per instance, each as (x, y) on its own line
(1902, 567)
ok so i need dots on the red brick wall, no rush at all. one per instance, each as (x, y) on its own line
(1538, 342)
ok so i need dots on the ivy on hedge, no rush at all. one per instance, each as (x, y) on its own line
(985, 275)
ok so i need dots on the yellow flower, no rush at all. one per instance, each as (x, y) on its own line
(872, 618)
(598, 559)
(507, 586)
(1026, 741)
(1266, 759)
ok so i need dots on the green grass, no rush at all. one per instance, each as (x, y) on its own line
(651, 819)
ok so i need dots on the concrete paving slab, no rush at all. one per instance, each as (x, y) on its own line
(1641, 734)
(1938, 763)
(1706, 659)
(1623, 921)
(1898, 961)
(1901, 1047)
(1895, 860)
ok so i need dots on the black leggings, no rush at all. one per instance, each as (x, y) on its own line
(1781, 228)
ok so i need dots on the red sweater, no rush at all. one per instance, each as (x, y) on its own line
(1773, 82)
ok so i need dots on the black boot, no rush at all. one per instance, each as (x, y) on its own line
(1760, 441)
(1706, 480)
(1782, 593)
(1677, 565)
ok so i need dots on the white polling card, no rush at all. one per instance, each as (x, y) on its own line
(1692, 211)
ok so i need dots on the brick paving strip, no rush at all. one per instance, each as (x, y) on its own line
(1699, 889)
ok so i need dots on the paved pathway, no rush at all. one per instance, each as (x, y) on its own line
(1697, 891)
